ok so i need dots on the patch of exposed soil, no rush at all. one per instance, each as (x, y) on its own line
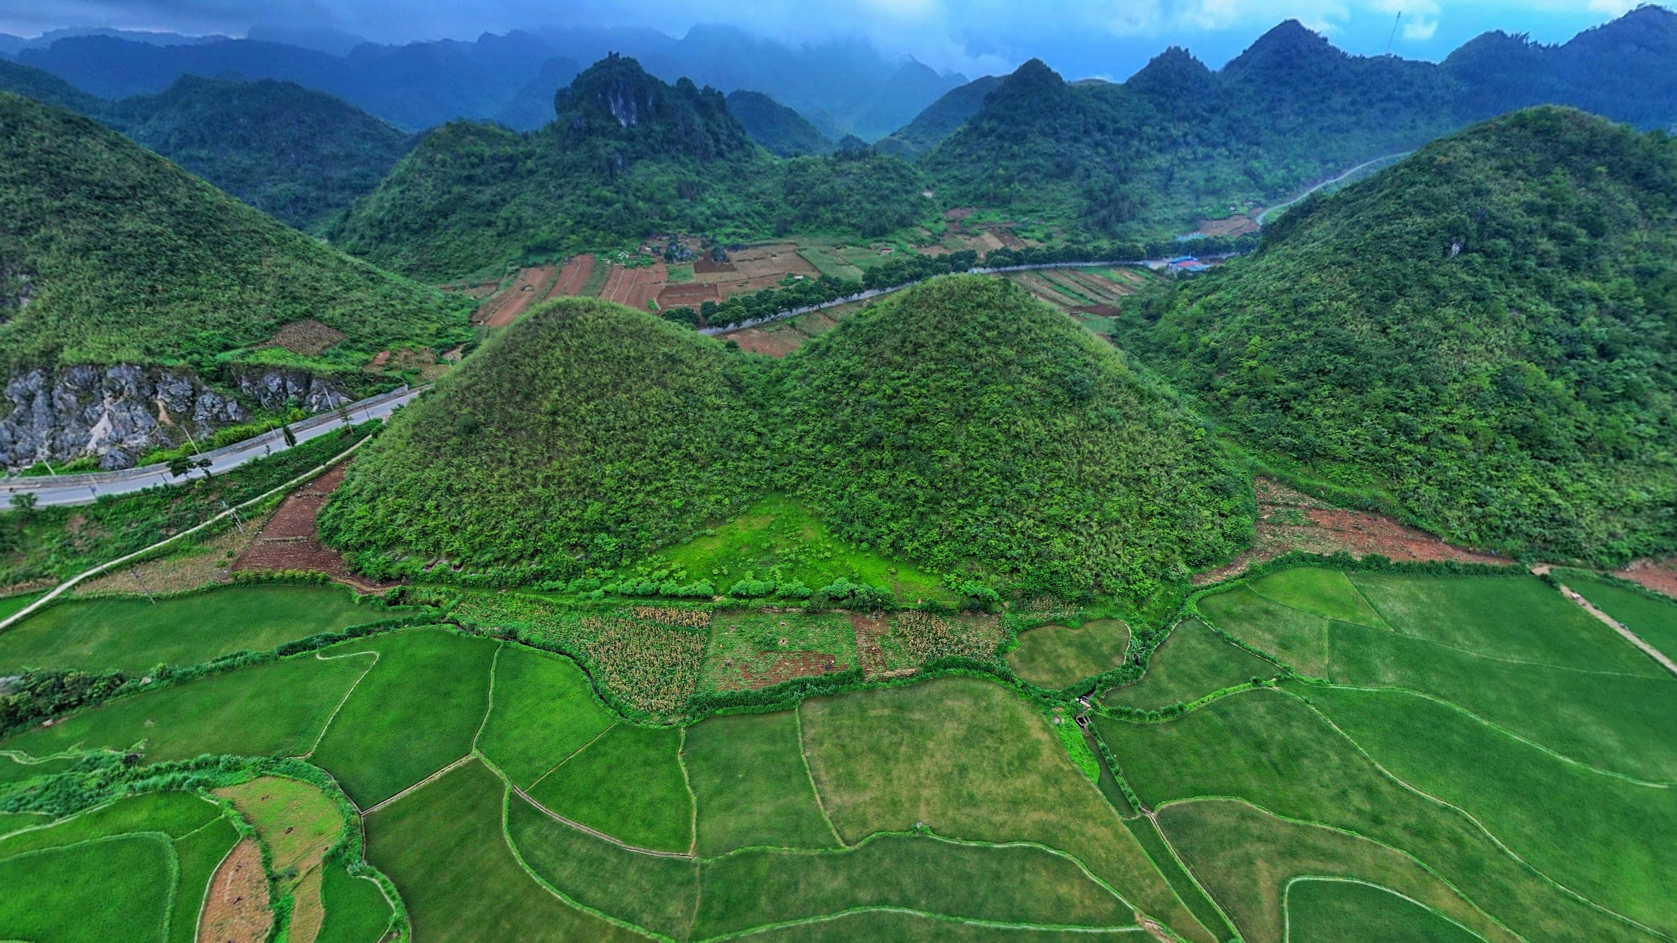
(1289, 521)
(236, 908)
(290, 542)
(1238, 225)
(1098, 311)
(307, 337)
(959, 213)
(870, 654)
(687, 295)
(775, 343)
(711, 267)
(1657, 575)
(573, 277)
(531, 285)
(788, 666)
(634, 287)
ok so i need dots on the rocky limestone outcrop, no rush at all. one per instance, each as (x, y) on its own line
(120, 413)
(276, 389)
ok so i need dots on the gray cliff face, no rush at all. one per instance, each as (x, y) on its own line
(120, 413)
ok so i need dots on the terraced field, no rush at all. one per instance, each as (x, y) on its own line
(1312, 755)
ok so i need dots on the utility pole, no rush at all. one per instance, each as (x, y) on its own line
(136, 574)
(1392, 40)
(236, 521)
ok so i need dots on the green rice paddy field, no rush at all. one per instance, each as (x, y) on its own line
(1312, 756)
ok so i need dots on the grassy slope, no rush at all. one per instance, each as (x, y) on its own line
(1331, 911)
(1653, 620)
(584, 428)
(1484, 332)
(132, 635)
(628, 784)
(132, 259)
(963, 421)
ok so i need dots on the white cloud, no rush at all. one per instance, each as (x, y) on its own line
(1420, 29)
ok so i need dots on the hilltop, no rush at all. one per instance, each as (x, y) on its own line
(960, 424)
(963, 423)
(940, 119)
(627, 155)
(296, 154)
(112, 254)
(1484, 333)
(586, 434)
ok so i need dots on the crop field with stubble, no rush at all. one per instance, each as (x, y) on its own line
(1309, 755)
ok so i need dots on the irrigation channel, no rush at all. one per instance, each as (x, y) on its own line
(66, 490)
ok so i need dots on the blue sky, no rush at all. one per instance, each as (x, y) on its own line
(1108, 38)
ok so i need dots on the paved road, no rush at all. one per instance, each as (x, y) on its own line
(62, 490)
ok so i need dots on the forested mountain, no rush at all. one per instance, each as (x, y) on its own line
(960, 424)
(1486, 333)
(110, 254)
(295, 154)
(778, 128)
(1625, 69)
(939, 120)
(627, 156)
(1177, 140)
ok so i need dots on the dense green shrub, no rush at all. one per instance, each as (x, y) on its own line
(1487, 332)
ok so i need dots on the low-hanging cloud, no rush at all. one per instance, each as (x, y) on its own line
(973, 35)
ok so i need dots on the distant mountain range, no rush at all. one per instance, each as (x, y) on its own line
(845, 87)
(298, 155)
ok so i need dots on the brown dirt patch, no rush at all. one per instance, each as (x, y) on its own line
(572, 277)
(1657, 575)
(530, 286)
(788, 666)
(290, 542)
(635, 287)
(959, 213)
(688, 295)
(1098, 311)
(376, 365)
(236, 909)
(1289, 520)
(1233, 226)
(307, 337)
(775, 261)
(710, 267)
(870, 654)
(775, 343)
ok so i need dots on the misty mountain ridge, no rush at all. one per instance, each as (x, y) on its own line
(297, 154)
(846, 86)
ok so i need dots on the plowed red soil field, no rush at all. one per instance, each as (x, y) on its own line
(530, 286)
(635, 286)
(572, 277)
(1659, 576)
(290, 541)
(689, 295)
